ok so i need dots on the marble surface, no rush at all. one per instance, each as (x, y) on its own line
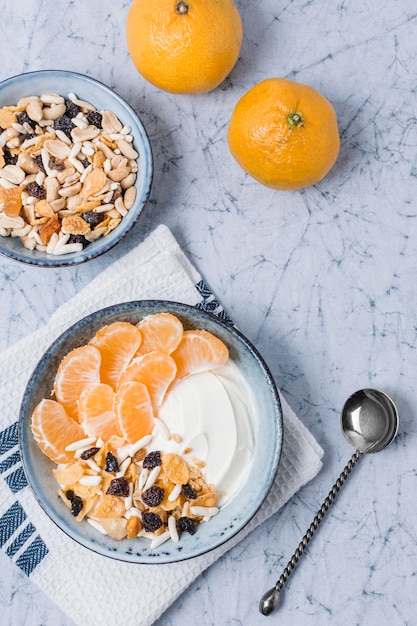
(321, 280)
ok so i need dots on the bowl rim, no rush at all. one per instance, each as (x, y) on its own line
(88, 253)
(163, 556)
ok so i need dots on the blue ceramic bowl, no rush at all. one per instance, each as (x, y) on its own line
(268, 435)
(90, 90)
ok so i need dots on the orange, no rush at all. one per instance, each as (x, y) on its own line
(284, 134)
(199, 350)
(161, 332)
(53, 430)
(78, 369)
(133, 410)
(117, 343)
(95, 411)
(156, 370)
(184, 46)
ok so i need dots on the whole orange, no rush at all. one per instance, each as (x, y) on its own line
(284, 134)
(184, 46)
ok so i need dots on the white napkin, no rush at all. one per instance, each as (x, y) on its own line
(90, 588)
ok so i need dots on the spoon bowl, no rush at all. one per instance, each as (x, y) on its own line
(369, 423)
(369, 420)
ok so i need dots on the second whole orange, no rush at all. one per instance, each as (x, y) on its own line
(284, 134)
(184, 46)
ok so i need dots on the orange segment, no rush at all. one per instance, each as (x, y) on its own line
(161, 332)
(198, 351)
(54, 430)
(95, 411)
(117, 344)
(133, 410)
(155, 370)
(78, 369)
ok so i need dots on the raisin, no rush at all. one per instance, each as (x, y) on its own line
(153, 496)
(188, 492)
(78, 239)
(112, 464)
(23, 118)
(65, 124)
(26, 136)
(70, 495)
(37, 191)
(71, 109)
(186, 524)
(94, 118)
(39, 163)
(87, 454)
(153, 459)
(9, 159)
(119, 487)
(151, 522)
(76, 505)
(93, 219)
(85, 162)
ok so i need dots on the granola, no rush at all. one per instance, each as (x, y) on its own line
(61, 163)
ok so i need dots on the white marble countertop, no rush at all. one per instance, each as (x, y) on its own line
(323, 281)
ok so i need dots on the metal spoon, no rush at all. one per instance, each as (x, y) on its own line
(369, 422)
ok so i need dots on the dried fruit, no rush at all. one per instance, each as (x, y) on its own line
(65, 124)
(76, 505)
(119, 487)
(153, 459)
(87, 454)
(186, 524)
(153, 496)
(93, 219)
(9, 159)
(23, 118)
(188, 492)
(37, 191)
(70, 494)
(151, 522)
(72, 109)
(94, 118)
(112, 464)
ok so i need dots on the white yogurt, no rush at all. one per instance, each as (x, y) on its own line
(213, 413)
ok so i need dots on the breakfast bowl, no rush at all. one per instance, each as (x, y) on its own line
(220, 417)
(76, 168)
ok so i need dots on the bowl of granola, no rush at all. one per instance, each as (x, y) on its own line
(151, 431)
(75, 168)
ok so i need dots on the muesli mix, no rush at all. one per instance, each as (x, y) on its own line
(135, 491)
(67, 172)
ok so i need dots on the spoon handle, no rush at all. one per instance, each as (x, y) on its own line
(270, 599)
